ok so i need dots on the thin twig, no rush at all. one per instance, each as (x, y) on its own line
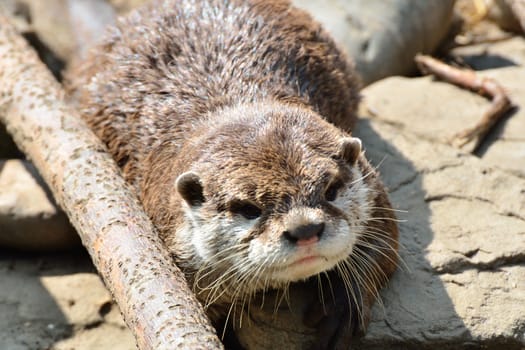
(468, 79)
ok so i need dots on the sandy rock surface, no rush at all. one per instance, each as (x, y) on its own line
(29, 217)
(463, 235)
(57, 302)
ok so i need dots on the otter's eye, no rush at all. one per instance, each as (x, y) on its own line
(247, 209)
(331, 192)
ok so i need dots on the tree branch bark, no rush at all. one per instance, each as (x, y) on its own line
(152, 293)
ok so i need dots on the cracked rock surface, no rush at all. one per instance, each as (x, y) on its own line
(462, 280)
(57, 302)
(29, 217)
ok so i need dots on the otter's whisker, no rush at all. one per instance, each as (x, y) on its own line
(320, 292)
(346, 274)
(361, 256)
(367, 275)
(379, 249)
(386, 219)
(353, 288)
(388, 209)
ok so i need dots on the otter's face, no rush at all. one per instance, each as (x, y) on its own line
(277, 209)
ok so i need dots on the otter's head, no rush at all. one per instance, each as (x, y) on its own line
(275, 195)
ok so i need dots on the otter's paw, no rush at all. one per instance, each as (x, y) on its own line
(338, 315)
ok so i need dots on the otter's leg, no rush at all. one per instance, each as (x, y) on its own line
(343, 312)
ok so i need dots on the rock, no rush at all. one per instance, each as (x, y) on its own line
(500, 11)
(457, 108)
(104, 336)
(60, 29)
(454, 109)
(88, 22)
(88, 307)
(19, 13)
(505, 146)
(463, 235)
(57, 302)
(462, 280)
(504, 53)
(85, 306)
(8, 148)
(29, 217)
(50, 21)
(383, 36)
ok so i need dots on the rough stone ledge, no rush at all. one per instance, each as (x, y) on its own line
(462, 228)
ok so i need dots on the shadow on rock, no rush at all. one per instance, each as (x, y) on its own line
(463, 236)
(30, 219)
(496, 133)
(416, 310)
(488, 61)
(56, 301)
(31, 316)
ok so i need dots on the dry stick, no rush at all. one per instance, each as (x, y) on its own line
(152, 293)
(468, 79)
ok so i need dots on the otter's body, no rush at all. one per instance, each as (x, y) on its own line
(231, 119)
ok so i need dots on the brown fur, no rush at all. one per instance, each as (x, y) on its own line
(267, 49)
(234, 91)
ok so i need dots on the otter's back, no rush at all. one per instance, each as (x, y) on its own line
(172, 63)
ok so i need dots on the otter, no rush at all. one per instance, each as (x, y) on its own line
(232, 120)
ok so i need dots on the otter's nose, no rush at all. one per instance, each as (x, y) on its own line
(306, 232)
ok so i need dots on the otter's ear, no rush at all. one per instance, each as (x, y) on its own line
(350, 149)
(190, 188)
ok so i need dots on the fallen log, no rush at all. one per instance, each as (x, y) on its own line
(151, 292)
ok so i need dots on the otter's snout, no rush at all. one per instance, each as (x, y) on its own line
(304, 233)
(303, 224)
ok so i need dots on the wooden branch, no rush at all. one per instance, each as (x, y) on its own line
(152, 293)
(468, 79)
